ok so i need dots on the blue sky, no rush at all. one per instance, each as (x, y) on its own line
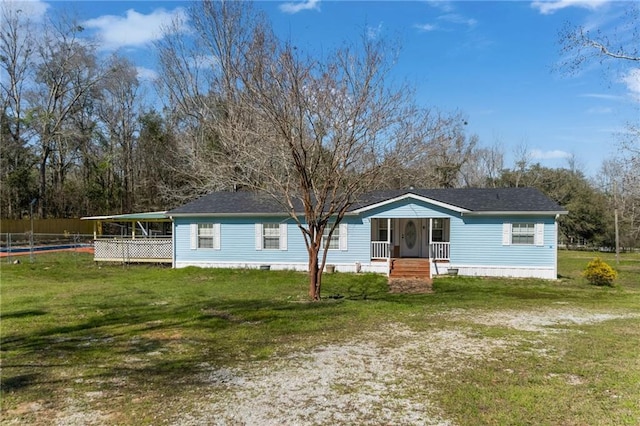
(491, 60)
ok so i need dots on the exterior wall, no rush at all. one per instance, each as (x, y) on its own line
(477, 248)
(238, 246)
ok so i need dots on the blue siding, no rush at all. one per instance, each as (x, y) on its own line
(475, 240)
(237, 242)
(478, 241)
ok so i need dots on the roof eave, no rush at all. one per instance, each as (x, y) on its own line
(517, 213)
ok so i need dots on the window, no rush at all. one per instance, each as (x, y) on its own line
(271, 236)
(437, 231)
(383, 231)
(205, 236)
(334, 244)
(523, 233)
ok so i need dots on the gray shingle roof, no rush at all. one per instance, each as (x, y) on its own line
(472, 199)
(476, 199)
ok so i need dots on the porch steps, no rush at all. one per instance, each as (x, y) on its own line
(410, 268)
(410, 276)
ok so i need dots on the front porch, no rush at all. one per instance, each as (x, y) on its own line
(410, 246)
(133, 238)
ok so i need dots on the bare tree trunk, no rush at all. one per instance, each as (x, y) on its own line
(315, 275)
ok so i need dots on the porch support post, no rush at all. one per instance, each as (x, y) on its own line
(430, 236)
(431, 264)
(388, 245)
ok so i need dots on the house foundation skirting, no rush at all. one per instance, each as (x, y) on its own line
(377, 267)
(547, 273)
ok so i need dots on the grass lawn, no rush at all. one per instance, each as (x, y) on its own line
(108, 344)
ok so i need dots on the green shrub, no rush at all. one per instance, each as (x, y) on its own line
(598, 272)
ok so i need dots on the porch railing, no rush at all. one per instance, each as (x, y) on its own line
(379, 250)
(133, 250)
(440, 251)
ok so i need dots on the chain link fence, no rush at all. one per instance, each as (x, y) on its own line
(14, 244)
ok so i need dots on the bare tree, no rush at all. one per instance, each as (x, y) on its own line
(312, 132)
(431, 150)
(16, 56)
(484, 168)
(614, 49)
(118, 111)
(581, 45)
(522, 161)
(66, 81)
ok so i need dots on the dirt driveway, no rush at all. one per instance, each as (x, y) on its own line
(371, 380)
(377, 378)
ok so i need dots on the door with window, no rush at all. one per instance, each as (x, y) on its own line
(410, 238)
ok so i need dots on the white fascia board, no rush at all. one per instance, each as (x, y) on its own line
(415, 197)
(516, 213)
(229, 214)
(97, 217)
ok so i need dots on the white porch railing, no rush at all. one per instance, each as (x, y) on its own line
(440, 251)
(133, 250)
(379, 250)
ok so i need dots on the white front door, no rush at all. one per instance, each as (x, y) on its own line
(411, 238)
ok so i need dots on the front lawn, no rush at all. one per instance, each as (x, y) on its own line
(84, 343)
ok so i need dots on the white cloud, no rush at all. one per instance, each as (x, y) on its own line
(443, 5)
(549, 155)
(295, 7)
(455, 18)
(133, 30)
(34, 9)
(426, 27)
(601, 96)
(600, 110)
(147, 74)
(632, 81)
(549, 7)
(449, 17)
(374, 32)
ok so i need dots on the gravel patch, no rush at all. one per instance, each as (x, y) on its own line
(369, 381)
(377, 378)
(540, 321)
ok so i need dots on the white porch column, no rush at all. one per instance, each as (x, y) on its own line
(430, 237)
(388, 246)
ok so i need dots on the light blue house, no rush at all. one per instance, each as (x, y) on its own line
(480, 232)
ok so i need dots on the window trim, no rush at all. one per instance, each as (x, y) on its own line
(523, 232)
(196, 235)
(508, 234)
(282, 234)
(335, 237)
(271, 238)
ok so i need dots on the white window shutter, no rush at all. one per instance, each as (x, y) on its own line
(216, 236)
(506, 234)
(194, 236)
(258, 236)
(343, 237)
(283, 236)
(539, 234)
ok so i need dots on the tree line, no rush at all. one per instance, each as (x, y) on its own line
(244, 110)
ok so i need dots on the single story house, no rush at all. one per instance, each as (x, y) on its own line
(508, 232)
